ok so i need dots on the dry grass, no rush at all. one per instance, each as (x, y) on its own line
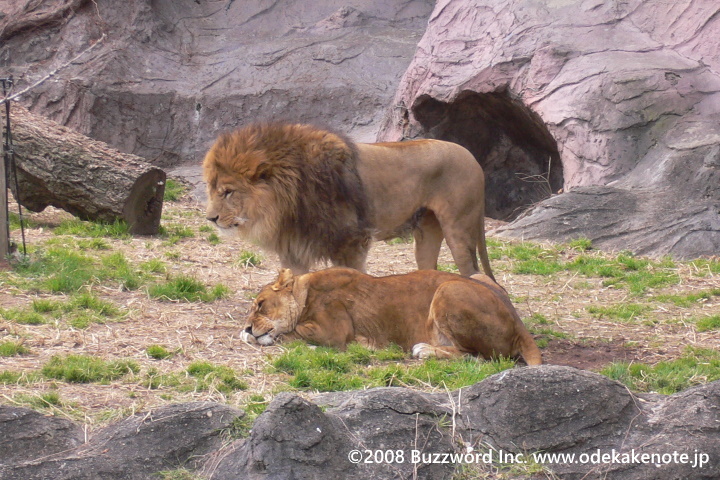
(210, 331)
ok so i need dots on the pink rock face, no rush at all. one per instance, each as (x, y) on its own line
(618, 95)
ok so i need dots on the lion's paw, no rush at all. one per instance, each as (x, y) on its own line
(423, 350)
(248, 337)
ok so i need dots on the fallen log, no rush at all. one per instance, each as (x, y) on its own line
(60, 167)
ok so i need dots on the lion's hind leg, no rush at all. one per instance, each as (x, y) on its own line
(465, 318)
(425, 350)
(428, 237)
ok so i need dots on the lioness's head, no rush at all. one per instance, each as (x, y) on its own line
(276, 308)
(243, 197)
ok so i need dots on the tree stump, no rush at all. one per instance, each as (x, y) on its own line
(60, 167)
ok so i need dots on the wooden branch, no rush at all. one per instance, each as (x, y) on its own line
(60, 167)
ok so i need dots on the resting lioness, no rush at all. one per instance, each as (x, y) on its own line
(428, 312)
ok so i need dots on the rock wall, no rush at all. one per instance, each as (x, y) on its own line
(615, 103)
(170, 75)
(498, 423)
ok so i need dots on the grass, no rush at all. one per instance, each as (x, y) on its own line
(10, 349)
(173, 233)
(66, 270)
(708, 323)
(215, 377)
(188, 289)
(697, 366)
(325, 369)
(249, 259)
(79, 311)
(174, 190)
(87, 369)
(158, 352)
(623, 312)
(117, 229)
(23, 317)
(178, 474)
(689, 299)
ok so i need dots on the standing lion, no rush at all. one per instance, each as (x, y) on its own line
(311, 195)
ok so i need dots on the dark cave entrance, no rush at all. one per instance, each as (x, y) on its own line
(520, 157)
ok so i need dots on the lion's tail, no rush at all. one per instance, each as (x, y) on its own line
(482, 251)
(528, 348)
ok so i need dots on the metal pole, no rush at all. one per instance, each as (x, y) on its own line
(4, 223)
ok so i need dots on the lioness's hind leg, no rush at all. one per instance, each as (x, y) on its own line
(428, 237)
(425, 350)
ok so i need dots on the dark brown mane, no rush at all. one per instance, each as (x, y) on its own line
(315, 171)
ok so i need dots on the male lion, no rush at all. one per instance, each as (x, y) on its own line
(428, 312)
(312, 195)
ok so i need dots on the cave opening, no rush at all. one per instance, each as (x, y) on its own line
(519, 155)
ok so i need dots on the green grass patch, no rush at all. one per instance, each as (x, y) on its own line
(177, 474)
(173, 233)
(174, 190)
(325, 369)
(581, 244)
(10, 349)
(538, 266)
(217, 377)
(188, 289)
(117, 229)
(623, 312)
(696, 367)
(154, 265)
(158, 352)
(703, 267)
(10, 377)
(214, 239)
(155, 380)
(23, 317)
(80, 311)
(66, 270)
(448, 267)
(688, 300)
(87, 369)
(249, 259)
(41, 401)
(708, 323)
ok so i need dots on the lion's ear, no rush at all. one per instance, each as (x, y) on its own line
(285, 279)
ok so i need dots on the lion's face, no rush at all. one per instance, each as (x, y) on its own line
(240, 195)
(275, 310)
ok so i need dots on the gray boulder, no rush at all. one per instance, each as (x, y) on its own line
(27, 435)
(133, 449)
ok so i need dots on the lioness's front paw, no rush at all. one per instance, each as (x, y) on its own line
(248, 337)
(423, 350)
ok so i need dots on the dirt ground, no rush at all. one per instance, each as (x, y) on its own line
(210, 331)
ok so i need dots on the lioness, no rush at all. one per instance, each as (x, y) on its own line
(311, 195)
(427, 312)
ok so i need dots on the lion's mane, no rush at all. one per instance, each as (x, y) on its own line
(319, 207)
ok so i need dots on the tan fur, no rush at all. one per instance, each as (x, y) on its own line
(427, 312)
(310, 195)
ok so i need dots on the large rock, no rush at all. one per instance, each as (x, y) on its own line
(27, 435)
(170, 75)
(617, 104)
(133, 449)
(579, 425)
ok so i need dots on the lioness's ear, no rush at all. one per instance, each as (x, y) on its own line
(285, 279)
